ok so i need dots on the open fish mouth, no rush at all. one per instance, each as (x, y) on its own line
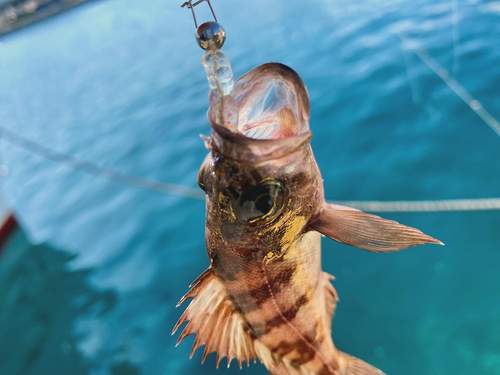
(272, 102)
(273, 112)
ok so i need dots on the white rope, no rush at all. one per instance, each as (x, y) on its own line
(450, 205)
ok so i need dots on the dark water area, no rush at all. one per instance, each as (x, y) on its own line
(91, 286)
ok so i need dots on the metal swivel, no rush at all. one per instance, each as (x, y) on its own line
(210, 35)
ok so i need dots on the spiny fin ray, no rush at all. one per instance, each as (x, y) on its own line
(211, 316)
(331, 299)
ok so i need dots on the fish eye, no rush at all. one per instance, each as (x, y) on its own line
(201, 175)
(262, 203)
(200, 178)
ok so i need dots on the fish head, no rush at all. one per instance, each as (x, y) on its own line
(262, 182)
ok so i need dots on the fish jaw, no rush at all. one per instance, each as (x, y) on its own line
(247, 150)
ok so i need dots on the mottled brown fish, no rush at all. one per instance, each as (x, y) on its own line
(265, 295)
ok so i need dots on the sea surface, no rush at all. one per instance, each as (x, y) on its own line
(90, 287)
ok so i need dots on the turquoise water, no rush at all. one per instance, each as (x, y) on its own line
(119, 83)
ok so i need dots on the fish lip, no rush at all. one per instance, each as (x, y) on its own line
(244, 149)
(241, 139)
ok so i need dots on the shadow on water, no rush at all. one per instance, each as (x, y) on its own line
(42, 301)
(124, 368)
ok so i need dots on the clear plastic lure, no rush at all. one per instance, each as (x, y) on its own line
(211, 37)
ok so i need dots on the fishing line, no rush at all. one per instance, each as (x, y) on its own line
(416, 94)
(452, 83)
(96, 170)
(416, 90)
(197, 194)
(456, 36)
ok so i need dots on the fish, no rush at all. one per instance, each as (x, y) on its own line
(265, 295)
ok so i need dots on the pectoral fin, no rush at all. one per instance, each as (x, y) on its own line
(217, 326)
(366, 231)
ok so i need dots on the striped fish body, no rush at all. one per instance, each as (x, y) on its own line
(265, 295)
(287, 302)
(271, 270)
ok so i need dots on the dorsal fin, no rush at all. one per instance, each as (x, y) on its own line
(212, 318)
(331, 299)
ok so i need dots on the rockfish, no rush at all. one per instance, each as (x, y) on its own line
(265, 295)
